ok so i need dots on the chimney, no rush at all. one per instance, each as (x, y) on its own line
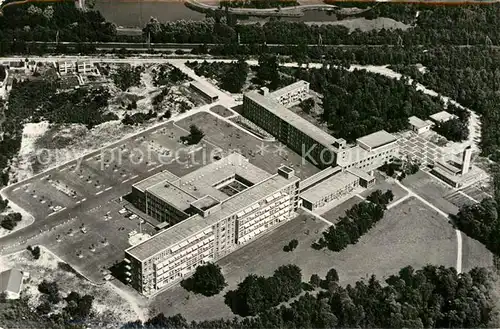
(264, 91)
(466, 159)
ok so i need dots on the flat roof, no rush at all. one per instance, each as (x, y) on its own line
(164, 176)
(210, 92)
(450, 167)
(295, 120)
(206, 202)
(328, 186)
(175, 196)
(361, 174)
(418, 123)
(377, 139)
(319, 176)
(285, 90)
(181, 192)
(196, 224)
(11, 280)
(442, 116)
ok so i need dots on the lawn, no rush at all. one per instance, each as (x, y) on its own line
(409, 234)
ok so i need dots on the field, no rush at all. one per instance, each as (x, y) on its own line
(410, 234)
(431, 190)
(222, 111)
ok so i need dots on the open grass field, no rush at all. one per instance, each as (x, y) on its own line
(431, 190)
(409, 234)
(222, 111)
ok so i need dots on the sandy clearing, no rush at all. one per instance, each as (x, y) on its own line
(108, 302)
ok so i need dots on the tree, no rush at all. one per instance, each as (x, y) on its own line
(315, 280)
(35, 252)
(453, 129)
(206, 280)
(307, 105)
(51, 290)
(268, 70)
(44, 308)
(3, 204)
(234, 79)
(332, 276)
(194, 137)
(291, 245)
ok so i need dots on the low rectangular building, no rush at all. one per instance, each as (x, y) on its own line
(292, 94)
(333, 188)
(418, 125)
(233, 203)
(442, 116)
(207, 92)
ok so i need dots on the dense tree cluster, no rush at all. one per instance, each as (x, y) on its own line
(454, 130)
(206, 280)
(10, 220)
(231, 76)
(432, 297)
(194, 137)
(39, 100)
(206, 31)
(359, 103)
(127, 76)
(256, 294)
(35, 251)
(168, 75)
(480, 221)
(20, 24)
(357, 221)
(138, 118)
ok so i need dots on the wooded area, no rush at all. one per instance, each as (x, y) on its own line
(431, 297)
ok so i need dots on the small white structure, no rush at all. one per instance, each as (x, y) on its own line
(442, 116)
(11, 282)
(418, 125)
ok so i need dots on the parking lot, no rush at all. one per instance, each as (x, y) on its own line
(266, 155)
(77, 206)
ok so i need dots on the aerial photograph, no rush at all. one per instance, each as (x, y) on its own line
(249, 164)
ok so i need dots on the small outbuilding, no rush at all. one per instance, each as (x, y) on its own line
(11, 282)
(418, 125)
(442, 116)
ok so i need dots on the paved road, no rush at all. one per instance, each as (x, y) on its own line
(17, 240)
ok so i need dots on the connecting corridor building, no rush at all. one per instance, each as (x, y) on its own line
(219, 208)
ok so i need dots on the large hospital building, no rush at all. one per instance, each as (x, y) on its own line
(217, 208)
(271, 112)
(220, 207)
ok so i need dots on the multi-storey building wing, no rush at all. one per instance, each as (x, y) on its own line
(270, 112)
(289, 128)
(236, 203)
